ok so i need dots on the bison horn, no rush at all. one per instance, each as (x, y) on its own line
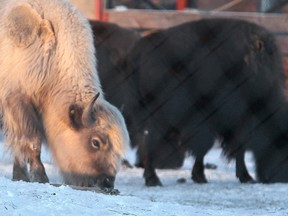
(87, 117)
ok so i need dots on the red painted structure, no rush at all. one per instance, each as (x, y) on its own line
(100, 10)
(181, 4)
(102, 16)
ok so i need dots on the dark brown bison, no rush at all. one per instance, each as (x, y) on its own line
(204, 80)
(113, 43)
(49, 93)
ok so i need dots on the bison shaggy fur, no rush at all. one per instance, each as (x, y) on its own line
(206, 80)
(49, 93)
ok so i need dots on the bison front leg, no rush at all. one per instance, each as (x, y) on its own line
(23, 130)
(20, 171)
(37, 170)
(145, 153)
(151, 178)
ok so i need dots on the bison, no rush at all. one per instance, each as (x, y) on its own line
(206, 80)
(50, 92)
(113, 43)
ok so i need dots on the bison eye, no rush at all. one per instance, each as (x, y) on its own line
(96, 143)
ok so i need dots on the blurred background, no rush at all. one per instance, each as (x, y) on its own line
(158, 14)
(267, 6)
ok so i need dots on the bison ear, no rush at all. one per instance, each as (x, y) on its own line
(75, 115)
(25, 24)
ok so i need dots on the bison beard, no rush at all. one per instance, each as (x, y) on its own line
(49, 93)
(210, 79)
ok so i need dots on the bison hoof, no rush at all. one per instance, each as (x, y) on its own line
(199, 179)
(20, 177)
(38, 176)
(247, 179)
(153, 181)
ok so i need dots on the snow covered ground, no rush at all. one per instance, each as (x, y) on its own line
(224, 195)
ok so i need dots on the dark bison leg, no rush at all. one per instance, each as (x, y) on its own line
(241, 169)
(198, 175)
(145, 154)
(233, 145)
(151, 178)
(201, 143)
(20, 171)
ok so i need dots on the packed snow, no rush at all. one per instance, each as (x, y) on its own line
(223, 195)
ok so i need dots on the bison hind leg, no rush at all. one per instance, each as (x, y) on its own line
(241, 170)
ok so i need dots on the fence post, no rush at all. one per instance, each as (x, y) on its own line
(181, 4)
(99, 10)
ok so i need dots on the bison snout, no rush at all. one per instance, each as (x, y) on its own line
(105, 182)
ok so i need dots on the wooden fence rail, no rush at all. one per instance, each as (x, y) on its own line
(143, 19)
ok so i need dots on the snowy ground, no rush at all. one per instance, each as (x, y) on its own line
(224, 195)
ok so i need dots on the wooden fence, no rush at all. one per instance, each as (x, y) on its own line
(152, 19)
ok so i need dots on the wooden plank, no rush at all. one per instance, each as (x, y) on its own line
(150, 19)
(228, 5)
(142, 19)
(246, 5)
(139, 19)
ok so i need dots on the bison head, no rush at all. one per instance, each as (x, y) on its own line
(89, 147)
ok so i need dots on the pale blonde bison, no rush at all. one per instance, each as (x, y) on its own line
(50, 92)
